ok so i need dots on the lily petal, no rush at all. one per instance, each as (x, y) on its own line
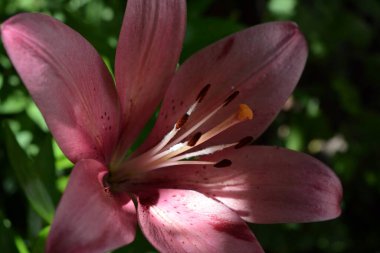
(187, 221)
(263, 63)
(68, 81)
(90, 219)
(149, 46)
(263, 184)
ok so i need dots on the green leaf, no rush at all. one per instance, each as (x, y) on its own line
(45, 166)
(20, 244)
(6, 235)
(39, 244)
(27, 177)
(14, 103)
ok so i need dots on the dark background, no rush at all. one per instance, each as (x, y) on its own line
(333, 115)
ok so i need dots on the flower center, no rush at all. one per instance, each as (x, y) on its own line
(176, 147)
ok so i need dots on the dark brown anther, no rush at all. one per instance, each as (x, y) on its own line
(223, 163)
(203, 93)
(181, 121)
(194, 139)
(231, 97)
(244, 142)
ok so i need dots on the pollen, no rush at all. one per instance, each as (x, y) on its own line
(244, 112)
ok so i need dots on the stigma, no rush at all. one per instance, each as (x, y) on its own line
(182, 146)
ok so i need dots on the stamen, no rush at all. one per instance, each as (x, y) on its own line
(230, 98)
(175, 149)
(173, 163)
(196, 126)
(171, 152)
(244, 142)
(206, 151)
(243, 113)
(192, 108)
(202, 94)
(165, 140)
(182, 121)
(223, 163)
(199, 99)
(168, 163)
(205, 119)
(194, 139)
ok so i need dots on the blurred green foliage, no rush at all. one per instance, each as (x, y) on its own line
(334, 114)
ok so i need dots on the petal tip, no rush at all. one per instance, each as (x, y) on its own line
(294, 32)
(5, 25)
(339, 198)
(10, 25)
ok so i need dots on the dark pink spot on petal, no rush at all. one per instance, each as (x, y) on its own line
(148, 198)
(226, 48)
(237, 230)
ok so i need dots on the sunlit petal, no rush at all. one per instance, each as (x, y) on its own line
(69, 83)
(187, 221)
(263, 184)
(148, 50)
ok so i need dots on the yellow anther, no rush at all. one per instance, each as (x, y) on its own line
(244, 112)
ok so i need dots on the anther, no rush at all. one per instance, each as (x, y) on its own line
(244, 142)
(169, 152)
(181, 121)
(243, 113)
(193, 141)
(202, 94)
(231, 97)
(223, 163)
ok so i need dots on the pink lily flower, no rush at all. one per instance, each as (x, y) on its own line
(195, 181)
